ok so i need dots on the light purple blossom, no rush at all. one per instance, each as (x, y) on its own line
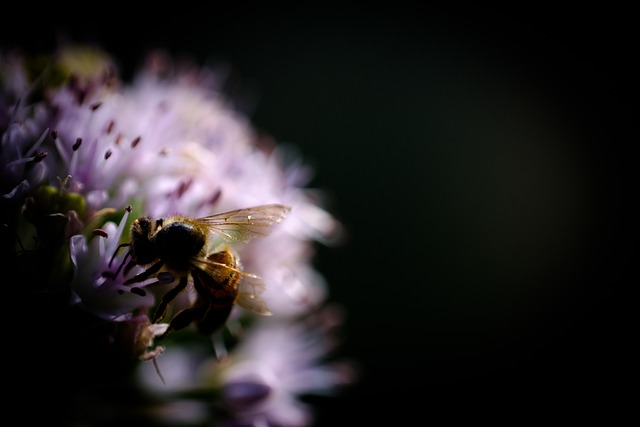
(101, 294)
(176, 147)
(24, 131)
(278, 363)
(262, 381)
(90, 155)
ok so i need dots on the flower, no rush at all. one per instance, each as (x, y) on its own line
(23, 132)
(83, 155)
(265, 378)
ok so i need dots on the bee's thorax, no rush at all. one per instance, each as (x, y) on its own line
(177, 242)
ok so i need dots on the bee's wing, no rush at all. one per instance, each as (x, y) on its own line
(241, 225)
(249, 290)
(250, 286)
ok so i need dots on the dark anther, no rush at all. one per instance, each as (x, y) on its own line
(183, 187)
(38, 157)
(128, 209)
(135, 142)
(77, 144)
(107, 154)
(215, 196)
(100, 232)
(95, 106)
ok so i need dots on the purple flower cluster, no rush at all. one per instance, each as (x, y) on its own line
(84, 153)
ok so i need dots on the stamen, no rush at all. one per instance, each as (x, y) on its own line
(39, 157)
(216, 196)
(64, 182)
(100, 232)
(123, 245)
(38, 142)
(95, 106)
(77, 144)
(107, 154)
(119, 231)
(110, 126)
(124, 260)
(28, 160)
(62, 150)
(135, 142)
(182, 188)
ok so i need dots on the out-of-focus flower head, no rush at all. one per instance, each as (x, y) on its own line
(264, 380)
(83, 154)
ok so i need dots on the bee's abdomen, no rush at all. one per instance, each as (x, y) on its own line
(177, 242)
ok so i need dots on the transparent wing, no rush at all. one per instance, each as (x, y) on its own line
(241, 225)
(249, 290)
(250, 286)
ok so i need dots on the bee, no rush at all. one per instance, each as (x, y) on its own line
(197, 251)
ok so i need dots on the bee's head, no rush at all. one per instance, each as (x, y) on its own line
(142, 247)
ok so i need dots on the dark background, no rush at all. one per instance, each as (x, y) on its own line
(483, 164)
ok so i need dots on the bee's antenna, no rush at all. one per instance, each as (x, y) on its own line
(122, 245)
(124, 260)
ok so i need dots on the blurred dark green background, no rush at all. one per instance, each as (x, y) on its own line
(482, 164)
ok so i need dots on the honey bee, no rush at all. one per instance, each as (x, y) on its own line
(197, 251)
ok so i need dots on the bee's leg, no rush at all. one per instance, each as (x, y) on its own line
(184, 317)
(168, 297)
(145, 274)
